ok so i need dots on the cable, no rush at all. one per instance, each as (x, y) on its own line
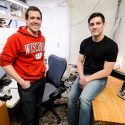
(117, 20)
(61, 4)
(87, 15)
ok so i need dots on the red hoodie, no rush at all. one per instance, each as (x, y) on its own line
(26, 53)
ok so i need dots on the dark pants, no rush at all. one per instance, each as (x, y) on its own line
(30, 100)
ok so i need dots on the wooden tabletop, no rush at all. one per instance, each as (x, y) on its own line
(4, 118)
(108, 107)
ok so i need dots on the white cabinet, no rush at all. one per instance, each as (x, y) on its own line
(10, 17)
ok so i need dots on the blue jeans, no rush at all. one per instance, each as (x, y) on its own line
(85, 96)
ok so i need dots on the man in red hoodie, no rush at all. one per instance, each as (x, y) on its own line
(23, 59)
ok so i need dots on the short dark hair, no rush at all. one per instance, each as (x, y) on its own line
(32, 8)
(97, 14)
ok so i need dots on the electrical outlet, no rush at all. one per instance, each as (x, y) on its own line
(58, 45)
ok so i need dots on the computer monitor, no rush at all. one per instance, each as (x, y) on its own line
(2, 73)
(4, 81)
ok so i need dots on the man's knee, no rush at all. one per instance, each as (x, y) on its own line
(84, 100)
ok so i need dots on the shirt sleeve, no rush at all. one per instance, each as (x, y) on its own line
(82, 47)
(10, 51)
(112, 53)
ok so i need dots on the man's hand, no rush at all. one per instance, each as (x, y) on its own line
(45, 73)
(83, 81)
(25, 84)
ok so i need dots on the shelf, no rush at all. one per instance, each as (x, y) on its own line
(18, 3)
(9, 17)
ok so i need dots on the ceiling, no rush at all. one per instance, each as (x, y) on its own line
(48, 1)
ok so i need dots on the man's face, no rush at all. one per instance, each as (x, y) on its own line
(96, 26)
(33, 22)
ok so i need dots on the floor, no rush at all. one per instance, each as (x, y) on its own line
(48, 119)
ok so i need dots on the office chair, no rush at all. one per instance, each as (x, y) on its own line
(54, 86)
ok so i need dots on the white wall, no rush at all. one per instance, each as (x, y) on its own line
(119, 36)
(4, 34)
(55, 26)
(80, 11)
